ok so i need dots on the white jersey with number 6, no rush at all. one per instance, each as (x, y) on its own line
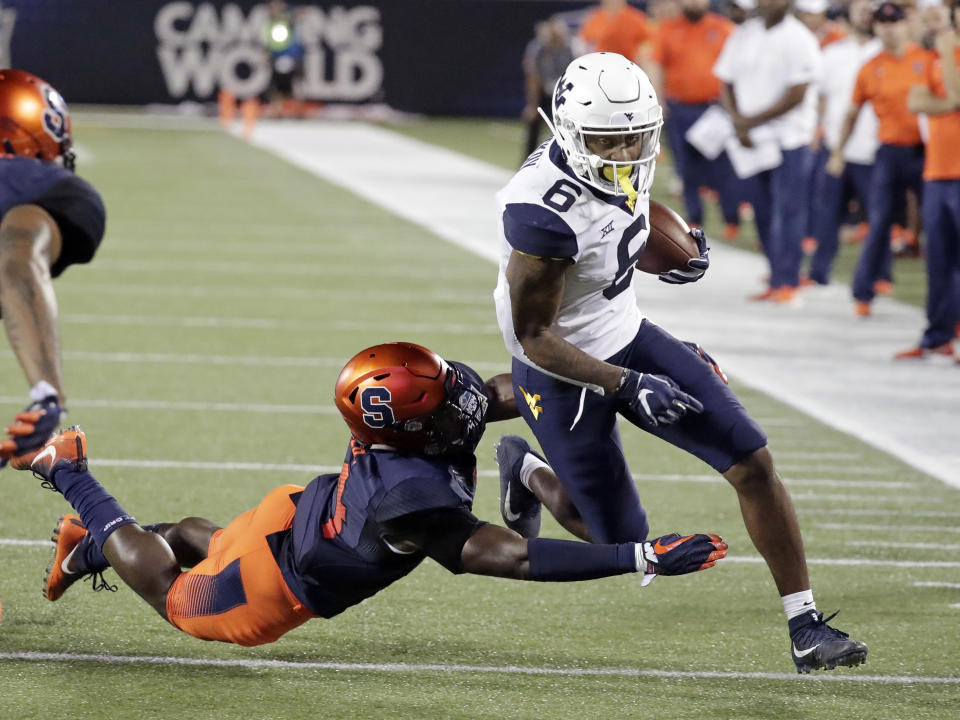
(547, 212)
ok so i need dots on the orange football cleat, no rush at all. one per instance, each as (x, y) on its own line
(66, 449)
(66, 536)
(808, 245)
(861, 309)
(731, 232)
(917, 353)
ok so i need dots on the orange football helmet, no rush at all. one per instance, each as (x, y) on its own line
(34, 121)
(409, 398)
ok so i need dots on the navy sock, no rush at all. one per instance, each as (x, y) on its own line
(89, 558)
(99, 511)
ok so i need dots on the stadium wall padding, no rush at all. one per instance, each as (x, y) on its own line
(448, 57)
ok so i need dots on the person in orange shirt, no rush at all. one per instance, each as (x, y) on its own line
(616, 27)
(939, 98)
(885, 81)
(683, 53)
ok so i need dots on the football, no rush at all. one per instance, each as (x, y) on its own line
(669, 245)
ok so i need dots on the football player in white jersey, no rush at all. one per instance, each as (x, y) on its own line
(574, 220)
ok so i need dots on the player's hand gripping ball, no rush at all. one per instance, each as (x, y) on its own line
(673, 251)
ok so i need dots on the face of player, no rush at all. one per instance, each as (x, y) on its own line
(861, 16)
(618, 148)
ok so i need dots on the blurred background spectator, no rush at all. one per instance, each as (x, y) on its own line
(684, 49)
(842, 61)
(616, 27)
(544, 60)
(938, 96)
(885, 81)
(767, 66)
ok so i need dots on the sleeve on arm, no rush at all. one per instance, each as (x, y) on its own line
(441, 533)
(416, 495)
(534, 230)
(805, 60)
(723, 68)
(861, 88)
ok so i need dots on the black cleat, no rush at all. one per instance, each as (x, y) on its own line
(518, 506)
(814, 645)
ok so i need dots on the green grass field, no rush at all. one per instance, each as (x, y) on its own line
(210, 329)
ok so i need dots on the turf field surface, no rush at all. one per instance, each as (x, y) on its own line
(201, 347)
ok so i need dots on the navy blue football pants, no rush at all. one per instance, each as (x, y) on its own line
(779, 202)
(827, 211)
(577, 430)
(695, 170)
(895, 170)
(941, 223)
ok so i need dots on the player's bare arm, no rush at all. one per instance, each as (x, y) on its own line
(536, 289)
(30, 244)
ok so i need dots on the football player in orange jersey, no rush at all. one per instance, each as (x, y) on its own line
(49, 219)
(405, 493)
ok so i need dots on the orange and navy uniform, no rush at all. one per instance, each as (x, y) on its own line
(885, 81)
(316, 551)
(623, 32)
(942, 160)
(687, 52)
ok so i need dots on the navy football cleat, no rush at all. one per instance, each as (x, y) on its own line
(814, 645)
(518, 506)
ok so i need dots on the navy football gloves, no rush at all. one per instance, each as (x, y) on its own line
(655, 399)
(695, 267)
(30, 430)
(675, 555)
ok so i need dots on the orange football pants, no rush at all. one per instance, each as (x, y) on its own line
(238, 594)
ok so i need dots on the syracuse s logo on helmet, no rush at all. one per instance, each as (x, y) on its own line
(54, 114)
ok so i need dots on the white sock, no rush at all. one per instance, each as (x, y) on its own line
(798, 603)
(531, 463)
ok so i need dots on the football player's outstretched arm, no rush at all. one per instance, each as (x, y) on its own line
(499, 552)
(30, 244)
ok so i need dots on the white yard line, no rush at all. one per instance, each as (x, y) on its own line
(413, 668)
(939, 547)
(889, 528)
(937, 584)
(249, 323)
(241, 360)
(192, 406)
(816, 357)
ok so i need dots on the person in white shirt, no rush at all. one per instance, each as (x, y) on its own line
(767, 67)
(842, 61)
(574, 220)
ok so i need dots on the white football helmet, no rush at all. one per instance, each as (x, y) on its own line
(606, 94)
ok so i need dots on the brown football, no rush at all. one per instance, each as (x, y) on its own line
(669, 245)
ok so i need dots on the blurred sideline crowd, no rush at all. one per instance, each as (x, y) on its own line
(829, 123)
